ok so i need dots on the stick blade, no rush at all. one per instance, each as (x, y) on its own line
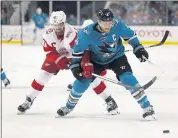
(147, 85)
(163, 40)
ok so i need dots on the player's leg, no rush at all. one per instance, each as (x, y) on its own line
(38, 37)
(79, 87)
(99, 88)
(69, 86)
(123, 72)
(41, 31)
(4, 78)
(45, 74)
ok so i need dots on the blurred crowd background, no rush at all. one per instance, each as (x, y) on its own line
(133, 13)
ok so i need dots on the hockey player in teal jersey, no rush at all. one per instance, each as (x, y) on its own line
(4, 78)
(103, 41)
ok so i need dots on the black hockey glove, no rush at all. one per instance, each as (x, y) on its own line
(141, 54)
(76, 70)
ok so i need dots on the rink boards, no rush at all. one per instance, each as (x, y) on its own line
(147, 34)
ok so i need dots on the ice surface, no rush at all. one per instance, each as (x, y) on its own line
(89, 119)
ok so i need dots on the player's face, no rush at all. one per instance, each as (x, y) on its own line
(105, 25)
(59, 28)
(39, 11)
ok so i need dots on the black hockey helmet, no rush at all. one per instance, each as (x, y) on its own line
(105, 19)
(105, 15)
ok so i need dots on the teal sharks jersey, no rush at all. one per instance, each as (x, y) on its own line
(105, 47)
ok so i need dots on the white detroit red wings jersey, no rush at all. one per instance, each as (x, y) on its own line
(52, 42)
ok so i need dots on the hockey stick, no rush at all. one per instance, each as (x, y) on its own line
(148, 60)
(156, 45)
(144, 87)
(10, 39)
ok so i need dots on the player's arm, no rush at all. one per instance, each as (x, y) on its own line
(73, 37)
(53, 56)
(81, 44)
(33, 18)
(77, 54)
(130, 36)
(45, 17)
(81, 66)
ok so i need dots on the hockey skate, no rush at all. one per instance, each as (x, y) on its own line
(63, 111)
(112, 107)
(149, 113)
(25, 106)
(6, 82)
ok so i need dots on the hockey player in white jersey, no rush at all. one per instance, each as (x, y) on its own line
(57, 43)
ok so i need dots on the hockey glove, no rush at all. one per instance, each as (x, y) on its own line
(62, 63)
(59, 58)
(141, 54)
(87, 66)
(76, 70)
(87, 70)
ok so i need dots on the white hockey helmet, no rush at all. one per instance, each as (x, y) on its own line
(57, 21)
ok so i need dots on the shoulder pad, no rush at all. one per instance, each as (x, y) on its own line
(87, 30)
(48, 35)
(116, 20)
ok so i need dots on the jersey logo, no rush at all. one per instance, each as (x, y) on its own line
(108, 47)
(107, 14)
